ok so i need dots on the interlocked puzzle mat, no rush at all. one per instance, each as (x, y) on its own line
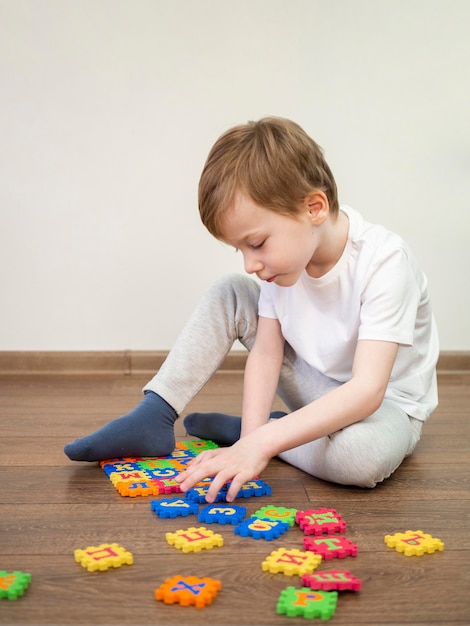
(153, 476)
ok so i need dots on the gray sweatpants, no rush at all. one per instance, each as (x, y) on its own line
(362, 454)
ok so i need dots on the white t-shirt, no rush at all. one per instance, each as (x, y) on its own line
(375, 291)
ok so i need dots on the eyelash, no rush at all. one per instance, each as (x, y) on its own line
(257, 246)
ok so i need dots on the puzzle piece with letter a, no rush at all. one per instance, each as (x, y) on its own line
(290, 561)
(13, 584)
(103, 557)
(306, 602)
(188, 590)
(414, 543)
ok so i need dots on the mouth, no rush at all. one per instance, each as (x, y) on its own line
(270, 280)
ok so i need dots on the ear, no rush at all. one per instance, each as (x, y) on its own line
(317, 206)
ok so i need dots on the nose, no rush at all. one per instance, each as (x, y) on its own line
(252, 264)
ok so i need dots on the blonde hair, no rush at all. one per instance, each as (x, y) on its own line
(273, 161)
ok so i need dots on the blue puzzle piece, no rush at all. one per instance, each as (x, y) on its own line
(174, 507)
(222, 514)
(261, 528)
(198, 494)
(255, 487)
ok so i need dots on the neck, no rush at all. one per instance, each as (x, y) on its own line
(329, 251)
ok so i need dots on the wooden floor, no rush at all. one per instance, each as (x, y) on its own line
(49, 506)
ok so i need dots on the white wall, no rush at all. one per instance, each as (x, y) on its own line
(109, 107)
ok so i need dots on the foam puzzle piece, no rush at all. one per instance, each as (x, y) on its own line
(174, 507)
(290, 561)
(255, 487)
(152, 476)
(339, 580)
(332, 547)
(320, 521)
(260, 528)
(194, 539)
(277, 513)
(188, 590)
(304, 602)
(199, 493)
(222, 514)
(414, 543)
(103, 557)
(13, 584)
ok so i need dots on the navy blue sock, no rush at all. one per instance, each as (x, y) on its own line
(218, 427)
(147, 430)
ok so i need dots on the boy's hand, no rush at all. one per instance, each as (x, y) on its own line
(238, 463)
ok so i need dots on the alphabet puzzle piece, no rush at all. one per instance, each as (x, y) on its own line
(194, 539)
(174, 507)
(332, 580)
(414, 543)
(103, 557)
(13, 584)
(255, 487)
(260, 528)
(305, 602)
(290, 561)
(320, 521)
(188, 590)
(277, 513)
(145, 476)
(331, 547)
(222, 514)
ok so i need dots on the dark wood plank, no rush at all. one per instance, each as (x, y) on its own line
(50, 506)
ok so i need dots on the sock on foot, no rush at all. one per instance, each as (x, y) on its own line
(218, 427)
(147, 430)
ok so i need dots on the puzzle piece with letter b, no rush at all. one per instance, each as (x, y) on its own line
(414, 543)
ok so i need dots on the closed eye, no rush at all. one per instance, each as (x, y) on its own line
(257, 246)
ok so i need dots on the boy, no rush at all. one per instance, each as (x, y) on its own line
(340, 326)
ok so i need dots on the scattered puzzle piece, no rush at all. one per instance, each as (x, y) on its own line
(103, 557)
(13, 584)
(188, 590)
(333, 580)
(194, 539)
(305, 602)
(331, 547)
(414, 543)
(291, 562)
(222, 514)
(141, 488)
(174, 507)
(277, 513)
(260, 528)
(320, 521)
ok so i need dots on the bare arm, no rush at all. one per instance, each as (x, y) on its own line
(262, 374)
(345, 405)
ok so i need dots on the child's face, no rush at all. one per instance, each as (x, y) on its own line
(275, 247)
